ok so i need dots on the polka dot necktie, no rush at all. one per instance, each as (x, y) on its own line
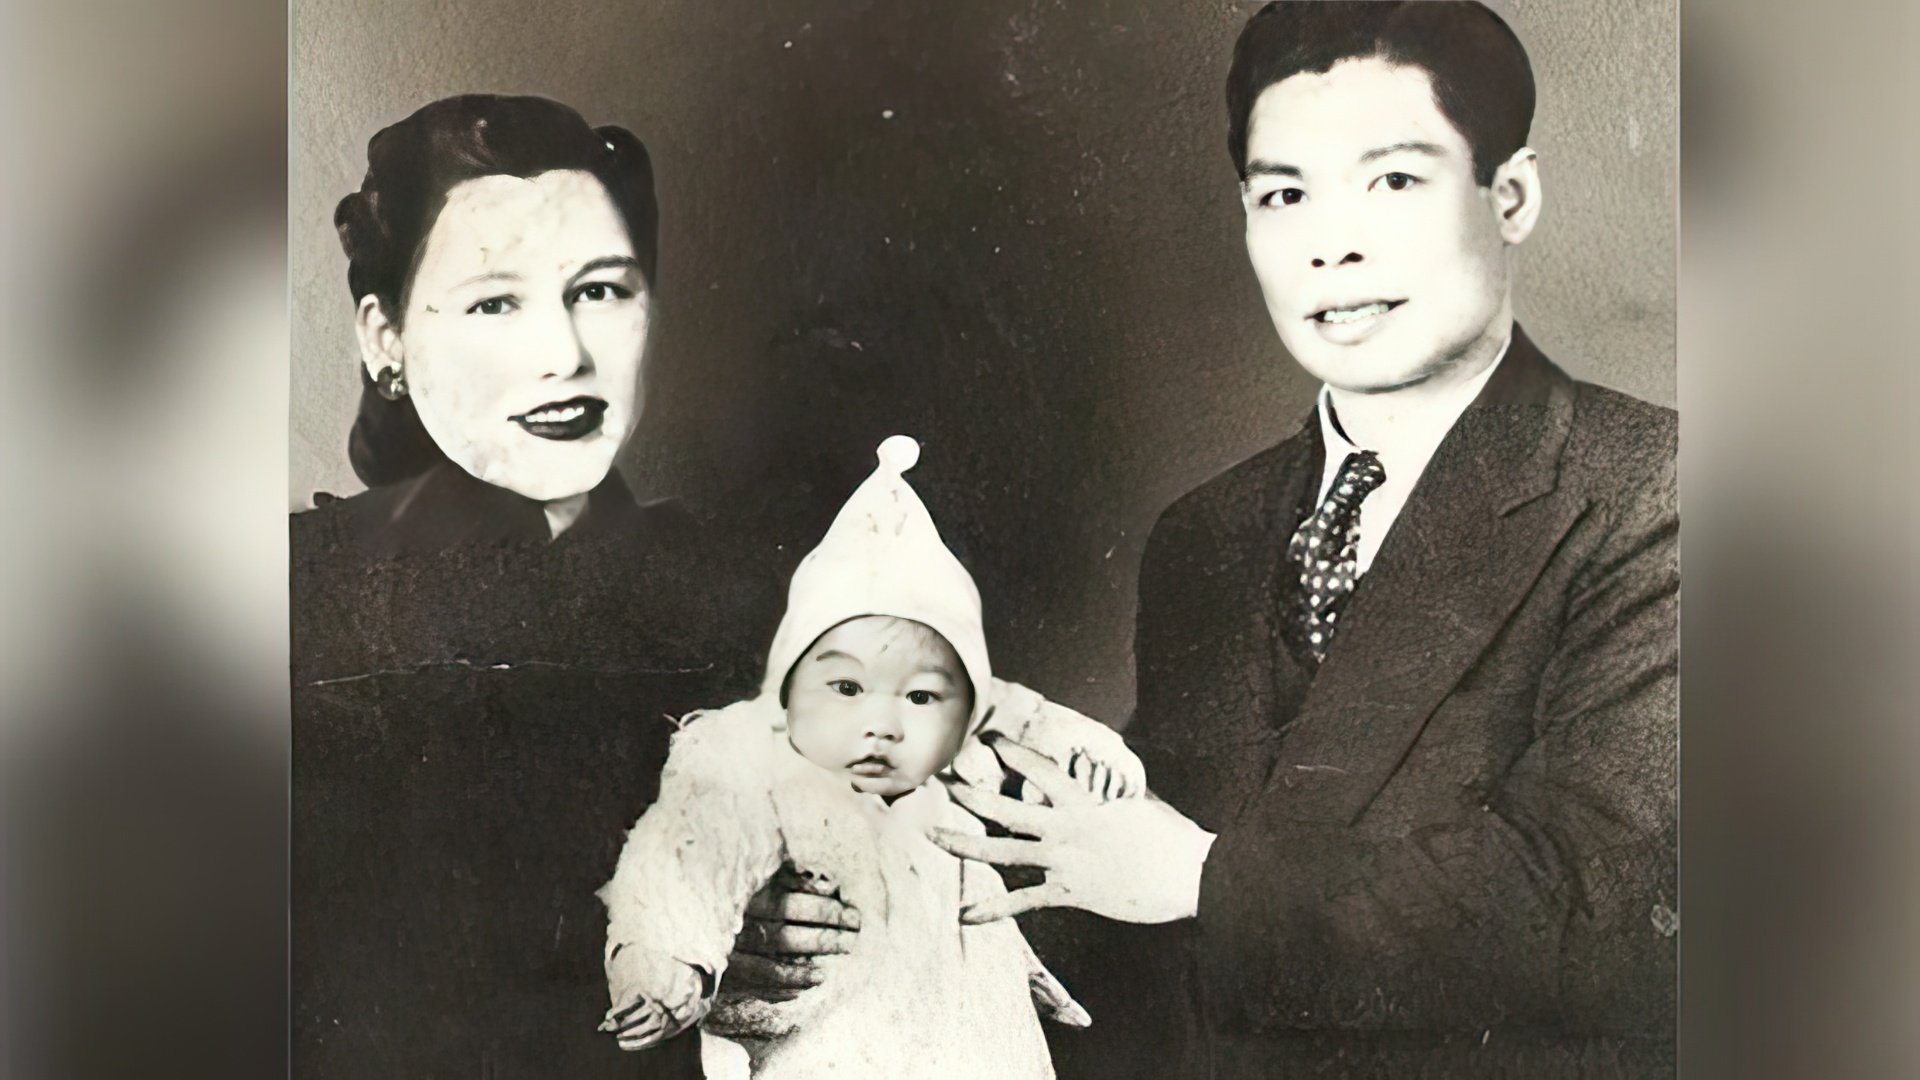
(1323, 558)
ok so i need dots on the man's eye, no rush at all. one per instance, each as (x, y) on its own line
(595, 292)
(845, 687)
(1397, 181)
(923, 697)
(1282, 197)
(492, 305)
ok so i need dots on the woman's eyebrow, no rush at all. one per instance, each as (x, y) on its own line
(605, 262)
(491, 275)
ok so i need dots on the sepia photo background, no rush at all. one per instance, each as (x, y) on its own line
(150, 450)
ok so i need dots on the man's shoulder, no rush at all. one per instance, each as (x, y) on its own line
(1619, 445)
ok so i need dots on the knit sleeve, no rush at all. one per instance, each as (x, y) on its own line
(1069, 739)
(679, 894)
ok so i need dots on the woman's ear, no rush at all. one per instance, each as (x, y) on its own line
(1516, 194)
(380, 348)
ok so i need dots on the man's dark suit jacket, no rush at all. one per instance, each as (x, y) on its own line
(1450, 850)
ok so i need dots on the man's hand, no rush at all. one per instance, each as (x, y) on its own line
(794, 926)
(1135, 860)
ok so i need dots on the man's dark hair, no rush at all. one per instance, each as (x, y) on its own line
(1482, 82)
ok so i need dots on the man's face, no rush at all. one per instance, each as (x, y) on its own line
(1381, 259)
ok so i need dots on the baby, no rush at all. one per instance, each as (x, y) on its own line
(876, 684)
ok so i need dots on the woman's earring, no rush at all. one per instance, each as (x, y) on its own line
(391, 383)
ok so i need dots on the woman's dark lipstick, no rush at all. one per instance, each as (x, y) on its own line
(564, 421)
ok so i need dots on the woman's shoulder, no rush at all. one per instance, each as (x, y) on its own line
(326, 507)
(355, 522)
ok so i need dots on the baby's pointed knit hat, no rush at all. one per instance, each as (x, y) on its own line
(883, 556)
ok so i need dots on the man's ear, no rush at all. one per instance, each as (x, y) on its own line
(380, 348)
(1516, 194)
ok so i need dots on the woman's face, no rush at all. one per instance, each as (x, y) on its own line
(525, 327)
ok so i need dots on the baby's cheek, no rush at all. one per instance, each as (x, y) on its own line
(803, 734)
(942, 747)
(957, 726)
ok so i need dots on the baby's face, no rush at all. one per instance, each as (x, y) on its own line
(880, 700)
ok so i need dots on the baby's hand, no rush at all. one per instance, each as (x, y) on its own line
(1102, 780)
(680, 996)
(638, 1026)
(1089, 751)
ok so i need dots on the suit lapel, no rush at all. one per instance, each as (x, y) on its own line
(1287, 491)
(1257, 550)
(1469, 544)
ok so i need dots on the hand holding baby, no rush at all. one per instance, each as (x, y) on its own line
(1135, 860)
(795, 927)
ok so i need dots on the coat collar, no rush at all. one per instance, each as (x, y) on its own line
(446, 507)
(1473, 536)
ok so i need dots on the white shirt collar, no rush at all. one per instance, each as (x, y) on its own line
(1409, 445)
(1404, 449)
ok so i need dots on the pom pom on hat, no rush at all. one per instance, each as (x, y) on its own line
(899, 453)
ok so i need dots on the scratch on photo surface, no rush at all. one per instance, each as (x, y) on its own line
(429, 665)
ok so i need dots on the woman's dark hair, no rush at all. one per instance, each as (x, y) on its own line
(1482, 82)
(411, 166)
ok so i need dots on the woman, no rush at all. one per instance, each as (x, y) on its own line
(477, 710)
(501, 258)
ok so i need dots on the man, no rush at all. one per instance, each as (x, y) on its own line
(1413, 667)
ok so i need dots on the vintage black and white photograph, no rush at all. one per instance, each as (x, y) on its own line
(1002, 540)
